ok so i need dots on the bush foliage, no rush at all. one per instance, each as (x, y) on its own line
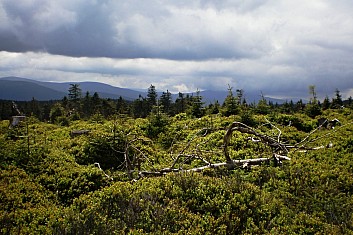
(52, 182)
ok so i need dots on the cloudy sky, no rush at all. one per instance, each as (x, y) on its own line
(277, 47)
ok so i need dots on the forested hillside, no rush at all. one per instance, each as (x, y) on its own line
(87, 165)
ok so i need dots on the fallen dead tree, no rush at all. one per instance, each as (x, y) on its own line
(230, 165)
(276, 157)
(278, 152)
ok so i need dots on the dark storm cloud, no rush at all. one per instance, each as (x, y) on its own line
(58, 27)
(123, 30)
(278, 47)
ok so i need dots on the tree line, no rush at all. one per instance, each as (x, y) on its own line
(76, 106)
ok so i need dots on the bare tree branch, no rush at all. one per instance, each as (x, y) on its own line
(241, 127)
(99, 166)
(279, 131)
(188, 145)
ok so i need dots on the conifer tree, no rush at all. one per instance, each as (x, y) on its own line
(180, 104)
(96, 103)
(262, 106)
(231, 104)
(56, 111)
(151, 97)
(326, 104)
(166, 102)
(196, 109)
(337, 102)
(140, 107)
(74, 92)
(87, 105)
(350, 102)
(74, 97)
(121, 106)
(312, 109)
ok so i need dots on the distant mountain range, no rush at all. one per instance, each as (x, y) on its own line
(15, 88)
(24, 89)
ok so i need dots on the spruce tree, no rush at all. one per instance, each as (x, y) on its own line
(337, 102)
(166, 102)
(180, 104)
(121, 106)
(230, 103)
(196, 109)
(326, 104)
(74, 97)
(151, 97)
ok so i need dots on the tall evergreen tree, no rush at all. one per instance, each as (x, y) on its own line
(337, 102)
(326, 104)
(299, 106)
(312, 92)
(196, 109)
(107, 108)
(96, 103)
(231, 103)
(74, 92)
(151, 97)
(65, 102)
(74, 97)
(6, 110)
(166, 102)
(180, 104)
(240, 97)
(46, 112)
(87, 105)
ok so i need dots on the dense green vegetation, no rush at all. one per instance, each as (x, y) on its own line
(56, 180)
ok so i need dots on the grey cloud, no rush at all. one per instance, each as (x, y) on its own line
(279, 47)
(124, 30)
(182, 30)
(29, 21)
